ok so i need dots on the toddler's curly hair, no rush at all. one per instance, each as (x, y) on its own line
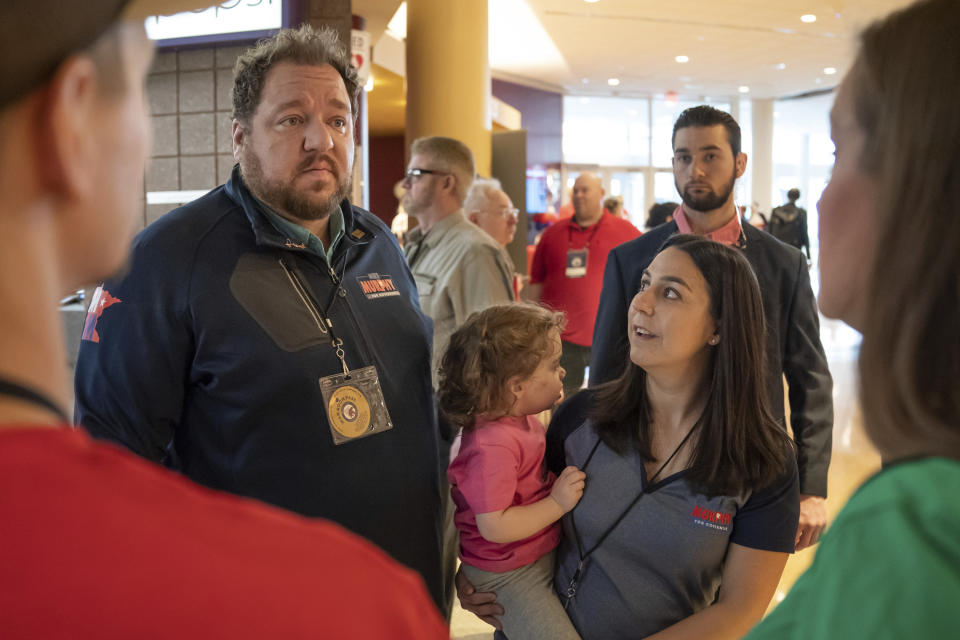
(491, 347)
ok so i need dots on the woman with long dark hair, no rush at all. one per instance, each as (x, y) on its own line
(691, 502)
(889, 567)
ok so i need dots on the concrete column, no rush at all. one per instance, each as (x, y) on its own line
(763, 153)
(448, 74)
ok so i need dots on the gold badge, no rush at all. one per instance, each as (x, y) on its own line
(349, 411)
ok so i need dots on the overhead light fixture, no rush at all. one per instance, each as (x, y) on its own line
(682, 59)
(829, 70)
(808, 18)
(613, 82)
(585, 80)
(744, 89)
(818, 80)
(591, 1)
(368, 87)
(781, 66)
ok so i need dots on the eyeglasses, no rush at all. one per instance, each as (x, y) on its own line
(510, 213)
(416, 173)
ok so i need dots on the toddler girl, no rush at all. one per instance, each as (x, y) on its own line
(502, 367)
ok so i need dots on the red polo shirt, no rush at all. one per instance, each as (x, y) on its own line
(578, 298)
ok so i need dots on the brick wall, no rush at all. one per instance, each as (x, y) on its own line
(189, 94)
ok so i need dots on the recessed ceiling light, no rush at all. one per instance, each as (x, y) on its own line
(744, 89)
(829, 70)
(682, 59)
(706, 98)
(613, 82)
(585, 80)
(591, 1)
(781, 66)
(818, 80)
(808, 18)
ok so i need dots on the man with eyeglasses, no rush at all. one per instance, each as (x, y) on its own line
(489, 207)
(459, 269)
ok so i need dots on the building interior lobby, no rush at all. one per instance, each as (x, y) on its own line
(543, 90)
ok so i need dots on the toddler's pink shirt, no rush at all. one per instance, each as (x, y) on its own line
(500, 465)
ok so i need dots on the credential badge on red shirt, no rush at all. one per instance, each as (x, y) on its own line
(101, 300)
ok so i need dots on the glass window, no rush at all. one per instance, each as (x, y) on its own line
(664, 187)
(629, 184)
(606, 131)
(802, 154)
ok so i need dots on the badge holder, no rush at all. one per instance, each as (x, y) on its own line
(576, 263)
(354, 402)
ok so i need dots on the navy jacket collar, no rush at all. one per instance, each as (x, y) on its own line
(355, 231)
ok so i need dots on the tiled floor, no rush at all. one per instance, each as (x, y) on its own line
(853, 460)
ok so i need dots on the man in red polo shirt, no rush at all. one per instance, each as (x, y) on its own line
(567, 272)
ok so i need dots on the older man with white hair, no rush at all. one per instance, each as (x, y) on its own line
(490, 208)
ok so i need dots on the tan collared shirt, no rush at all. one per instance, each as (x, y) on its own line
(459, 269)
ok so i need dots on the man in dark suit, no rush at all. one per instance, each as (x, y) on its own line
(707, 161)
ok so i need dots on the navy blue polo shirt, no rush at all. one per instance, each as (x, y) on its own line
(663, 562)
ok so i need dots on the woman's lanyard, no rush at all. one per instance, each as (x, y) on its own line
(14, 390)
(572, 589)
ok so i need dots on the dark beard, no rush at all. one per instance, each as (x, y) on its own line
(286, 199)
(709, 201)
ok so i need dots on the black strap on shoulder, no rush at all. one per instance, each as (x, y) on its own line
(15, 390)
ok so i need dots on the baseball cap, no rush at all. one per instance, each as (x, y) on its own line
(38, 35)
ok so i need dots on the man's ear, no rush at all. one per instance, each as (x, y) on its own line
(741, 163)
(474, 217)
(237, 134)
(67, 128)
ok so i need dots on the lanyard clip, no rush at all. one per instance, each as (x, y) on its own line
(572, 589)
(338, 345)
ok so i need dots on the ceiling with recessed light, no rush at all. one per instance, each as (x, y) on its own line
(695, 48)
(760, 44)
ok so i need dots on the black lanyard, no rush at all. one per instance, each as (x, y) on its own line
(573, 221)
(321, 315)
(14, 390)
(572, 589)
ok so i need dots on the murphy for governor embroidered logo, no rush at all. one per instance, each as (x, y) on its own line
(712, 519)
(377, 285)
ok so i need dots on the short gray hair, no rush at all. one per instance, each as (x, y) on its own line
(450, 155)
(480, 193)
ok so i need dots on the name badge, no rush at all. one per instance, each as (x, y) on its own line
(576, 263)
(355, 405)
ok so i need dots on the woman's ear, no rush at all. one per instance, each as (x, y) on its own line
(715, 340)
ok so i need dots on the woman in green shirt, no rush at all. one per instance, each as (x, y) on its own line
(889, 567)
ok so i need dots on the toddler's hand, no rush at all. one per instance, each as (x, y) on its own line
(568, 488)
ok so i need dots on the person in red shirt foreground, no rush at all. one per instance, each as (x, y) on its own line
(94, 541)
